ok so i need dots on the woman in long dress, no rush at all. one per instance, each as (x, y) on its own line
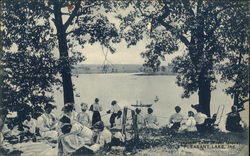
(96, 108)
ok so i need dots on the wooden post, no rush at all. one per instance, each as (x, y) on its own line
(135, 126)
(124, 120)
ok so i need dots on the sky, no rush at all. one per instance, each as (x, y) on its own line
(123, 55)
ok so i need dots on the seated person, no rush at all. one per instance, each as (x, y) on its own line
(85, 134)
(140, 119)
(115, 108)
(233, 120)
(83, 117)
(103, 139)
(151, 120)
(210, 123)
(200, 119)
(175, 119)
(47, 123)
(69, 111)
(29, 126)
(188, 125)
(118, 139)
(68, 143)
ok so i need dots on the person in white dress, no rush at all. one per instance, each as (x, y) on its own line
(188, 125)
(151, 120)
(83, 116)
(47, 123)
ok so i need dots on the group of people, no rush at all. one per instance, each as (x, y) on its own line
(195, 122)
(78, 133)
(74, 132)
(200, 122)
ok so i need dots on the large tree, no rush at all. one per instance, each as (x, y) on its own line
(235, 69)
(65, 24)
(198, 26)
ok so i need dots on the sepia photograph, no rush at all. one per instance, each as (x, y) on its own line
(124, 77)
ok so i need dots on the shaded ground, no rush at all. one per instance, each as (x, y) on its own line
(156, 143)
(163, 142)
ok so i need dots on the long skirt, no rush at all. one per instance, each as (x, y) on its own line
(96, 117)
(112, 119)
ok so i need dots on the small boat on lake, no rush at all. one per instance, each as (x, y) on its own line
(141, 105)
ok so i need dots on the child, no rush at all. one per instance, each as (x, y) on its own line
(151, 120)
(96, 108)
(176, 119)
(188, 125)
(114, 110)
(83, 116)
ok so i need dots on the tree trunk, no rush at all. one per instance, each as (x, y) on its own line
(68, 94)
(204, 94)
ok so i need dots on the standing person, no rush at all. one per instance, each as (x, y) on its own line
(176, 119)
(114, 110)
(151, 120)
(83, 117)
(233, 120)
(96, 108)
(188, 125)
(118, 121)
(47, 123)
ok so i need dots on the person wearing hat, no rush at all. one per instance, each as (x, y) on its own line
(188, 125)
(151, 120)
(200, 119)
(69, 111)
(175, 119)
(83, 117)
(114, 110)
(233, 120)
(47, 123)
(140, 119)
(96, 108)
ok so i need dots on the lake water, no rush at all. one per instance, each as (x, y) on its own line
(127, 88)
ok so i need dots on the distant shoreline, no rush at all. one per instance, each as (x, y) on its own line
(138, 70)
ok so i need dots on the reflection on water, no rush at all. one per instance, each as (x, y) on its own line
(127, 88)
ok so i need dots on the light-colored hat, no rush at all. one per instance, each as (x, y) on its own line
(84, 106)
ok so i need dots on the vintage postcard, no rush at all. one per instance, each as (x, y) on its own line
(128, 77)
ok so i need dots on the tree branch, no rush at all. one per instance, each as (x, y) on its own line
(73, 14)
(170, 28)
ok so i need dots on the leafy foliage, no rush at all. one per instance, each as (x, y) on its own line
(33, 31)
(203, 27)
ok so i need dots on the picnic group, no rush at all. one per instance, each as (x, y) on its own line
(77, 133)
